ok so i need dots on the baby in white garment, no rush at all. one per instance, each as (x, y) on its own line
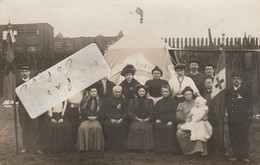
(197, 122)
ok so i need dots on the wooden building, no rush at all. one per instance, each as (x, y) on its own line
(34, 43)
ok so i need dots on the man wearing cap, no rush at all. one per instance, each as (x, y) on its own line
(196, 76)
(180, 81)
(30, 127)
(239, 108)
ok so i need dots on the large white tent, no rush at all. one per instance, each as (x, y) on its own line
(141, 49)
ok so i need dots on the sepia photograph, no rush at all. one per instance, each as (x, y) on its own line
(129, 82)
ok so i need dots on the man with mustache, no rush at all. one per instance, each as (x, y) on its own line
(196, 76)
(240, 112)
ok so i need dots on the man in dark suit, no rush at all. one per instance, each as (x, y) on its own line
(196, 76)
(104, 88)
(239, 106)
(30, 127)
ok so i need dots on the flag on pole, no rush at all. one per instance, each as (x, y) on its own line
(218, 97)
(139, 11)
(9, 77)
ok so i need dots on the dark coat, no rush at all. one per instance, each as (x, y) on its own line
(239, 104)
(165, 110)
(141, 108)
(109, 88)
(115, 108)
(154, 87)
(128, 88)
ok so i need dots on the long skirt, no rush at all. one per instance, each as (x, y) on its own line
(90, 136)
(58, 137)
(73, 116)
(165, 138)
(140, 136)
(190, 147)
(115, 135)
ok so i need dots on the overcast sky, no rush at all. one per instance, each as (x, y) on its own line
(171, 18)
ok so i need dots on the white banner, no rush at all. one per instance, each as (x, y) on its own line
(63, 80)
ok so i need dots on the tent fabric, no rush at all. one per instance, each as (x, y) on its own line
(141, 49)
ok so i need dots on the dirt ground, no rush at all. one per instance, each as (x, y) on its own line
(9, 157)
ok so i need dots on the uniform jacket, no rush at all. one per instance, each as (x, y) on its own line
(239, 104)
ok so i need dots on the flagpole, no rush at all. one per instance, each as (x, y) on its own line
(13, 93)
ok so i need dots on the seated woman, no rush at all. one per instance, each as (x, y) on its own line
(90, 135)
(58, 130)
(155, 84)
(165, 122)
(115, 125)
(183, 136)
(73, 114)
(140, 110)
(197, 123)
(129, 83)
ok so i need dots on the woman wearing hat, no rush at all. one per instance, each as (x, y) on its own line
(155, 84)
(130, 82)
(140, 110)
(188, 147)
(90, 134)
(180, 81)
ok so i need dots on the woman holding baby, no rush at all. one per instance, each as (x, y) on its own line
(192, 115)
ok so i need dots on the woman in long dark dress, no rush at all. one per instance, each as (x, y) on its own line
(90, 135)
(115, 125)
(165, 122)
(183, 136)
(129, 83)
(58, 130)
(140, 135)
(155, 84)
(73, 114)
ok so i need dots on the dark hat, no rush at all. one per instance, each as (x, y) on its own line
(156, 68)
(187, 88)
(194, 61)
(25, 67)
(237, 74)
(128, 69)
(179, 66)
(139, 86)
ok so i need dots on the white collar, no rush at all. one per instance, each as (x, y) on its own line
(235, 88)
(194, 73)
(26, 79)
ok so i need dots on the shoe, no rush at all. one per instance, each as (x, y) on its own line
(246, 160)
(24, 151)
(39, 152)
(232, 159)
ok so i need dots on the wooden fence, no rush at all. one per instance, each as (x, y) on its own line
(214, 43)
(241, 55)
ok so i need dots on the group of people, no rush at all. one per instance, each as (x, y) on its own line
(158, 116)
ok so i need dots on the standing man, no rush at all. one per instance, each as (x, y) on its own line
(30, 127)
(179, 81)
(196, 76)
(239, 107)
(209, 70)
